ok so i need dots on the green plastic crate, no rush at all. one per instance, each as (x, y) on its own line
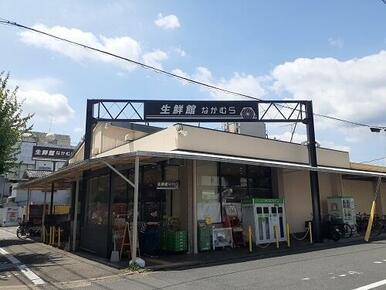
(204, 237)
(164, 237)
(176, 241)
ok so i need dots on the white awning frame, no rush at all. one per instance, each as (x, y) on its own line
(72, 171)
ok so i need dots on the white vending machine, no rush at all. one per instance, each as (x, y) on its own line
(342, 208)
(263, 215)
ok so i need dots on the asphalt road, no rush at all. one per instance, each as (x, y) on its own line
(347, 267)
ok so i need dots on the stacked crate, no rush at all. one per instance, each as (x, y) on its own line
(204, 236)
(174, 241)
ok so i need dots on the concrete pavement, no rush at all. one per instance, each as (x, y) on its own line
(348, 267)
(20, 260)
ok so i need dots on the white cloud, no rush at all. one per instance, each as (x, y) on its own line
(354, 89)
(181, 73)
(240, 82)
(46, 106)
(299, 138)
(41, 84)
(336, 42)
(123, 46)
(78, 130)
(36, 99)
(286, 136)
(155, 58)
(167, 22)
(180, 51)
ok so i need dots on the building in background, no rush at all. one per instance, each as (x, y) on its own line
(40, 154)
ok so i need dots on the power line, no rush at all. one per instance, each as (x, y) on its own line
(373, 160)
(170, 74)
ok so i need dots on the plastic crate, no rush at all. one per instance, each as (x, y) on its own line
(204, 237)
(176, 241)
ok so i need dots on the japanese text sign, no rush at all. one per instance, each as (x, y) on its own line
(45, 152)
(201, 111)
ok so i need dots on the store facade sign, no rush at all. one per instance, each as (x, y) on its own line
(168, 185)
(201, 111)
(51, 153)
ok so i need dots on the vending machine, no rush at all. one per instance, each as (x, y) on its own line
(342, 208)
(263, 215)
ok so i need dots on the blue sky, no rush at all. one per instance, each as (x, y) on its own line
(329, 51)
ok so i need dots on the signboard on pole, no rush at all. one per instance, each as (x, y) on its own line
(201, 111)
(51, 153)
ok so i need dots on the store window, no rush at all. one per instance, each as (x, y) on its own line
(122, 197)
(153, 206)
(260, 182)
(234, 183)
(208, 198)
(98, 200)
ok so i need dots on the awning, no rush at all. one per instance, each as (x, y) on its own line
(65, 176)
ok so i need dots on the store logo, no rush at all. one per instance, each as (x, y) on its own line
(248, 113)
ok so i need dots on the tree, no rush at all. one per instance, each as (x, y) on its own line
(12, 125)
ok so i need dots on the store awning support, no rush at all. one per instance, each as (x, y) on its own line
(135, 185)
(74, 229)
(118, 173)
(194, 211)
(314, 179)
(135, 213)
(44, 217)
(52, 198)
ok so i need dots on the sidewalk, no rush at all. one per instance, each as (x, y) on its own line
(228, 256)
(51, 264)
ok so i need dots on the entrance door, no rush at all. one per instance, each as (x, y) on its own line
(94, 231)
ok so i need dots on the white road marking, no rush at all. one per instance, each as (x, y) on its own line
(342, 275)
(377, 262)
(305, 279)
(35, 279)
(354, 273)
(372, 285)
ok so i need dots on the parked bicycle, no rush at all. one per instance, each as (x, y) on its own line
(362, 220)
(26, 230)
(335, 229)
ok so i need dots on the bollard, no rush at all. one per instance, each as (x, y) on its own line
(250, 238)
(50, 238)
(288, 236)
(310, 229)
(276, 236)
(59, 237)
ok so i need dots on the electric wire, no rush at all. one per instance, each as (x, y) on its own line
(373, 160)
(171, 74)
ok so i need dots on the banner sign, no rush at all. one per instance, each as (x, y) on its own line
(46, 152)
(201, 111)
(168, 185)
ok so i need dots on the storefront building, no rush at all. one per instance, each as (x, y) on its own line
(189, 175)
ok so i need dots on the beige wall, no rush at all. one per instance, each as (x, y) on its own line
(211, 141)
(203, 140)
(362, 192)
(164, 140)
(106, 137)
(294, 187)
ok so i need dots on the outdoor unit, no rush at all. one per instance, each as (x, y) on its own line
(263, 215)
(342, 208)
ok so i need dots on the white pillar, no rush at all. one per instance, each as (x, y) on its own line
(135, 212)
(44, 217)
(194, 205)
(28, 202)
(75, 215)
